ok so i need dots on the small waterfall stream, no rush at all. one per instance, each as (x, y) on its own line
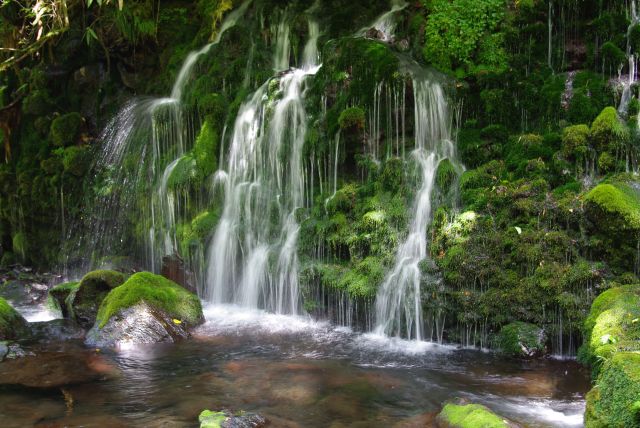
(253, 257)
(399, 300)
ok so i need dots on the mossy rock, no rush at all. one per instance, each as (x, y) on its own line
(87, 298)
(520, 339)
(608, 131)
(575, 141)
(615, 400)
(156, 291)
(37, 103)
(612, 325)
(12, 324)
(614, 205)
(227, 419)
(64, 129)
(465, 415)
(59, 297)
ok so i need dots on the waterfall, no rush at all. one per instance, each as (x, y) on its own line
(252, 258)
(399, 300)
(627, 84)
(145, 131)
(385, 24)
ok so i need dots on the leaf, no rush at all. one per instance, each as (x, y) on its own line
(177, 322)
(120, 4)
(89, 2)
(519, 230)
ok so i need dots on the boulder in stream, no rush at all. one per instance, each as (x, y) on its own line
(521, 339)
(12, 324)
(228, 419)
(147, 308)
(462, 414)
(86, 298)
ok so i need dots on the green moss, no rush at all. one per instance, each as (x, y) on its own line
(614, 202)
(209, 419)
(183, 173)
(446, 174)
(575, 141)
(12, 324)
(608, 131)
(352, 118)
(20, 245)
(37, 103)
(76, 160)
(614, 400)
(205, 150)
(470, 416)
(521, 339)
(157, 292)
(64, 129)
(61, 297)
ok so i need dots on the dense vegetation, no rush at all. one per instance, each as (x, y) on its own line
(545, 216)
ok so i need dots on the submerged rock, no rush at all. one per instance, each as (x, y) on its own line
(521, 339)
(462, 414)
(147, 308)
(12, 324)
(86, 298)
(49, 370)
(227, 419)
(57, 330)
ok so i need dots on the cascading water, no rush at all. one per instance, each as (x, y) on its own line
(399, 300)
(386, 23)
(625, 99)
(252, 257)
(161, 122)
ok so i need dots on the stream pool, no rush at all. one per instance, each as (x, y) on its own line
(294, 371)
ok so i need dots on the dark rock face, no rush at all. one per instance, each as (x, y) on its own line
(139, 324)
(173, 268)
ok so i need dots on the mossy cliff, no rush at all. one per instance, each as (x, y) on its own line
(542, 218)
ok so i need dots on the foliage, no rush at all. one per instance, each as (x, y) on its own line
(352, 117)
(519, 339)
(461, 36)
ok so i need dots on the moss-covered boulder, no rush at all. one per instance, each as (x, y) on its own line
(465, 415)
(12, 324)
(615, 400)
(521, 339)
(64, 129)
(59, 298)
(612, 325)
(147, 308)
(87, 297)
(227, 419)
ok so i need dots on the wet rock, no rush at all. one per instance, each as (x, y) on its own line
(139, 324)
(13, 351)
(173, 268)
(228, 419)
(520, 339)
(56, 331)
(147, 308)
(375, 34)
(61, 298)
(48, 370)
(462, 414)
(89, 295)
(12, 324)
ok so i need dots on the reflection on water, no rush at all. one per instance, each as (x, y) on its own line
(300, 373)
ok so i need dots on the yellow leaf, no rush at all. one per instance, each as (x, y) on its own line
(175, 321)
